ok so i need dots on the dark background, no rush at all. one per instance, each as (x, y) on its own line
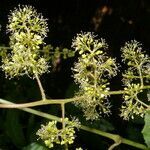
(117, 21)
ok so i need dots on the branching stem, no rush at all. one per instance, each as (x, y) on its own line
(114, 145)
(40, 103)
(61, 101)
(144, 104)
(114, 137)
(40, 87)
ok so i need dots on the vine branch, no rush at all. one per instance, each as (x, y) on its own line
(61, 101)
(114, 137)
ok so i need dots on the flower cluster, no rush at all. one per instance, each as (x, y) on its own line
(50, 134)
(138, 63)
(91, 72)
(27, 31)
(134, 79)
(24, 19)
(132, 105)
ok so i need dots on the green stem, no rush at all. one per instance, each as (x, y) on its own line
(146, 87)
(33, 111)
(61, 101)
(63, 121)
(40, 87)
(134, 144)
(63, 115)
(114, 137)
(142, 103)
(140, 74)
(40, 103)
(41, 50)
(138, 66)
(135, 77)
(119, 92)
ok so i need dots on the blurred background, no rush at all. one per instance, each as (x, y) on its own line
(114, 20)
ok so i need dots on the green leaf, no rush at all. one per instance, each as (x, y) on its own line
(35, 146)
(146, 129)
(14, 128)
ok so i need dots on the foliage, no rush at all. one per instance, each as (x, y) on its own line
(35, 146)
(146, 129)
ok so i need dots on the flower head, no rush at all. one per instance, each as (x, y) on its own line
(26, 19)
(27, 31)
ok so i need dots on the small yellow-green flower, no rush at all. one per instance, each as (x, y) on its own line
(50, 134)
(27, 31)
(90, 73)
(26, 19)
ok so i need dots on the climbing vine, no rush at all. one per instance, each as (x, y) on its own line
(28, 54)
